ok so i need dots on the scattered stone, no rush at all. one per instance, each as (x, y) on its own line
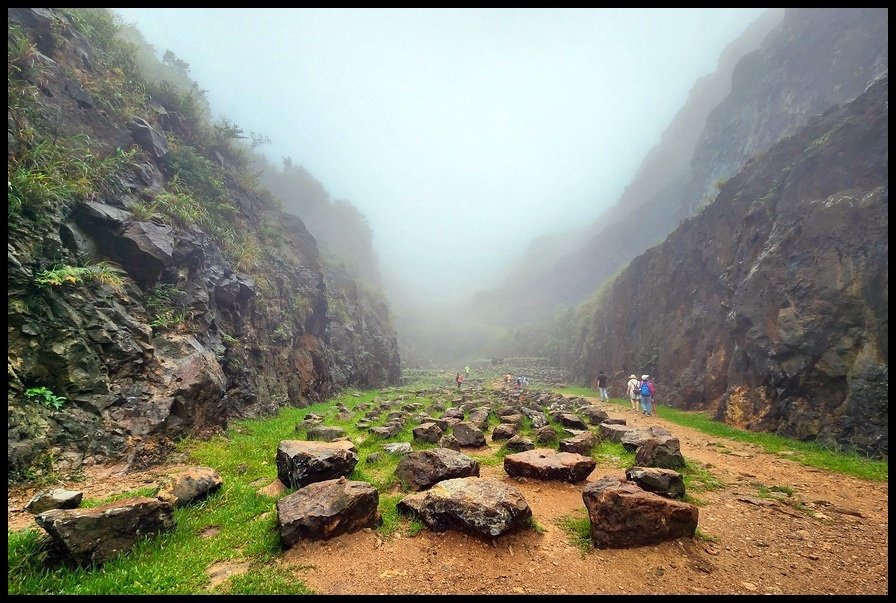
(545, 464)
(184, 487)
(421, 470)
(481, 506)
(57, 498)
(96, 535)
(325, 509)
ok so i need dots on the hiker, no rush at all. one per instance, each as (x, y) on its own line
(602, 386)
(652, 395)
(633, 388)
(646, 394)
(519, 382)
(507, 379)
(467, 371)
(460, 379)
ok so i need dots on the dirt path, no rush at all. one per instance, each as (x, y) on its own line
(837, 545)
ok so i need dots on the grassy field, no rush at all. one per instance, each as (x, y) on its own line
(176, 562)
(806, 453)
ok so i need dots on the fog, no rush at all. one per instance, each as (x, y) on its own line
(460, 133)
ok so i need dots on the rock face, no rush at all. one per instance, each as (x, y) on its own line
(482, 506)
(93, 536)
(201, 317)
(326, 509)
(769, 370)
(623, 515)
(300, 463)
(560, 269)
(778, 290)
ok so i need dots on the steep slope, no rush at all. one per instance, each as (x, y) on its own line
(340, 228)
(812, 60)
(770, 306)
(155, 289)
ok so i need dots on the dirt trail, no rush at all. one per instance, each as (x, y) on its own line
(837, 545)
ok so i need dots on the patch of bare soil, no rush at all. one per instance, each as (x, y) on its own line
(830, 536)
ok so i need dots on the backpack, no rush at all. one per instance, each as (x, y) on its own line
(645, 389)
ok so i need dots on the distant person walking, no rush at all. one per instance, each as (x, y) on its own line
(652, 395)
(467, 370)
(508, 378)
(459, 379)
(602, 386)
(633, 388)
(646, 394)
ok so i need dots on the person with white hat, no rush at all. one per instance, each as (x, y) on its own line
(633, 389)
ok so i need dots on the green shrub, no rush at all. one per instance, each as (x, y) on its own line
(45, 396)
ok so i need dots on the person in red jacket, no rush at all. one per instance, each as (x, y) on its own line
(652, 395)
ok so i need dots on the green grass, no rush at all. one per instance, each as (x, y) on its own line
(148, 491)
(265, 580)
(533, 524)
(613, 453)
(176, 562)
(391, 519)
(577, 526)
(805, 453)
(810, 454)
(169, 563)
(103, 273)
(704, 537)
(698, 478)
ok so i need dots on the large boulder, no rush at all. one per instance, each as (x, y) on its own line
(582, 443)
(468, 435)
(633, 438)
(94, 536)
(595, 416)
(613, 432)
(325, 509)
(421, 470)
(427, 432)
(662, 451)
(519, 443)
(623, 515)
(481, 506)
(300, 462)
(546, 464)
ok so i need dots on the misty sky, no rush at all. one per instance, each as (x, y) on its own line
(460, 133)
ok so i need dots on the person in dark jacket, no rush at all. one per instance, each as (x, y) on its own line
(602, 386)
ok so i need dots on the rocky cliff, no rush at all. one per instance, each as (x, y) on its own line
(770, 306)
(155, 289)
(811, 60)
